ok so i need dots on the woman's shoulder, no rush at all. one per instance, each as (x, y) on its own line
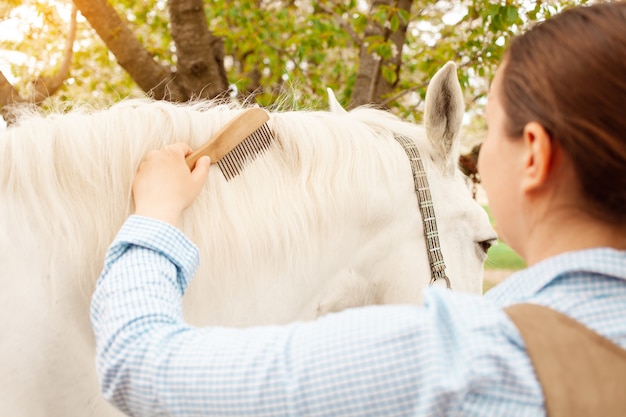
(587, 285)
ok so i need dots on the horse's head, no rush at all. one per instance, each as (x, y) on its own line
(465, 231)
(463, 226)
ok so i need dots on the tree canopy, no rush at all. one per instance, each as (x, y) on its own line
(273, 52)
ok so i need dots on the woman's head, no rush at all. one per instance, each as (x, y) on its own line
(569, 75)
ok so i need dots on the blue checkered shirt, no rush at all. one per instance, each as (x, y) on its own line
(458, 355)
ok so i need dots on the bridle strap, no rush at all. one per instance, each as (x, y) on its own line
(427, 210)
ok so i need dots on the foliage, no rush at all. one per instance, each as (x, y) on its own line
(94, 77)
(288, 47)
(281, 50)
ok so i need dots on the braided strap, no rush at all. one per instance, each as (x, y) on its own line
(425, 202)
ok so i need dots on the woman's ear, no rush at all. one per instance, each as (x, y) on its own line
(539, 153)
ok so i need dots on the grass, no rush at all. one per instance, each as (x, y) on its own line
(501, 256)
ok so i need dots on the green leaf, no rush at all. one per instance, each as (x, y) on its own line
(512, 15)
(389, 73)
(359, 23)
(404, 15)
(394, 23)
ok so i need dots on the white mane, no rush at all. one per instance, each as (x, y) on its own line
(70, 175)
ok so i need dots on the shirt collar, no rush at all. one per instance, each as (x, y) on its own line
(530, 281)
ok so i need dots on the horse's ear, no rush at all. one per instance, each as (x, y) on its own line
(443, 114)
(333, 103)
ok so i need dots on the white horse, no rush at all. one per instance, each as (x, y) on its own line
(327, 218)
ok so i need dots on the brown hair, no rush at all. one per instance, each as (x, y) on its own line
(569, 74)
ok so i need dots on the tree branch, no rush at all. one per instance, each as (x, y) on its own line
(342, 24)
(370, 86)
(8, 94)
(45, 87)
(151, 77)
(9, 99)
(391, 99)
(200, 55)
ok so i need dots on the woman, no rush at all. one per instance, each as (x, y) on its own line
(554, 167)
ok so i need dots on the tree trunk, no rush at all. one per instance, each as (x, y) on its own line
(151, 77)
(200, 67)
(370, 86)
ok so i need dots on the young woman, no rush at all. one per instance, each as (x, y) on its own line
(554, 167)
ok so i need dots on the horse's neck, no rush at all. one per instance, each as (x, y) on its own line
(291, 259)
(356, 269)
(363, 248)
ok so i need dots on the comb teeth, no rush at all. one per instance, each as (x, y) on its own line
(233, 162)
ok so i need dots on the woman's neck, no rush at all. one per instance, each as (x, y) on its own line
(570, 230)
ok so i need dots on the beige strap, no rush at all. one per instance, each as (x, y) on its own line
(581, 372)
(427, 210)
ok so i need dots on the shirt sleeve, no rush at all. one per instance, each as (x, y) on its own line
(373, 361)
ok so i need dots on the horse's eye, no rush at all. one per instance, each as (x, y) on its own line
(486, 244)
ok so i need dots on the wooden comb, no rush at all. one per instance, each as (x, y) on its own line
(241, 139)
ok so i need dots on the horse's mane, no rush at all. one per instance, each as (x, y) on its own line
(66, 177)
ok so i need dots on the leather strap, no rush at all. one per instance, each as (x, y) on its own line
(427, 210)
(582, 374)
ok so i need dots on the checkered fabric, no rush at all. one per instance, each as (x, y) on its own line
(457, 355)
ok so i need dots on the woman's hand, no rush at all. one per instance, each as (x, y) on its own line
(164, 186)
